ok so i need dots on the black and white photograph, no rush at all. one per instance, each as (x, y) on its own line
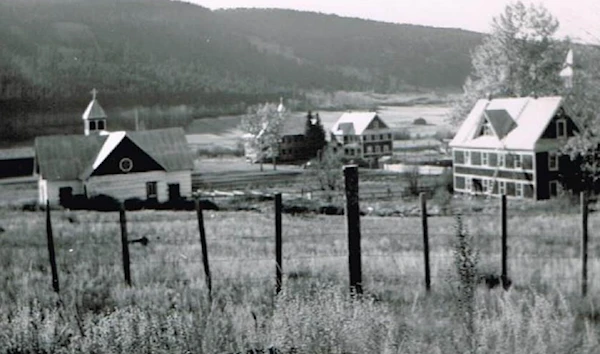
(299, 176)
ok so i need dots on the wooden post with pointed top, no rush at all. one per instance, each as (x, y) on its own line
(353, 222)
(204, 247)
(124, 244)
(584, 243)
(51, 253)
(504, 234)
(278, 244)
(423, 198)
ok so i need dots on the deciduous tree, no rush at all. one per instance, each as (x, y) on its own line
(520, 56)
(262, 125)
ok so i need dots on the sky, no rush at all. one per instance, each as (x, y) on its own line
(579, 19)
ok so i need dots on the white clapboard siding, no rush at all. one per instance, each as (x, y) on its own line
(184, 179)
(126, 186)
(49, 190)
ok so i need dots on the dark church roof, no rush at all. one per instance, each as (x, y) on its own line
(68, 157)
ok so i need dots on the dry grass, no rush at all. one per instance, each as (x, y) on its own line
(167, 309)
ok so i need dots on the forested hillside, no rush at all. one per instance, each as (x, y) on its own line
(159, 51)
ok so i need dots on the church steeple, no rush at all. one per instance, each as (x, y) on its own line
(94, 118)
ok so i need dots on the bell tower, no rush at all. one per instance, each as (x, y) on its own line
(94, 118)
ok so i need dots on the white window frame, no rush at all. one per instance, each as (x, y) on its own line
(550, 183)
(519, 189)
(485, 159)
(487, 129)
(151, 189)
(502, 187)
(467, 156)
(468, 184)
(561, 123)
(518, 161)
(552, 156)
(501, 159)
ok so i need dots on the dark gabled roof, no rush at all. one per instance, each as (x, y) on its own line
(67, 157)
(167, 146)
(501, 121)
(17, 153)
(293, 125)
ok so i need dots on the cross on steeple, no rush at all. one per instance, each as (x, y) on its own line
(94, 92)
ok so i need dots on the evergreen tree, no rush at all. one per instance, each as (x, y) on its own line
(314, 134)
(519, 57)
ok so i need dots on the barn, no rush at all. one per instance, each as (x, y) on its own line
(17, 162)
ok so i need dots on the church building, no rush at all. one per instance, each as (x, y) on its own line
(151, 165)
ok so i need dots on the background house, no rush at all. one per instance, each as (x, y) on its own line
(511, 146)
(16, 162)
(362, 135)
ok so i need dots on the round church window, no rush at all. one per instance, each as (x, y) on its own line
(126, 164)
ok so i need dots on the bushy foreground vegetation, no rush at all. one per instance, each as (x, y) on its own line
(167, 309)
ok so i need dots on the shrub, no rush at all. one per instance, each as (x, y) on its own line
(420, 121)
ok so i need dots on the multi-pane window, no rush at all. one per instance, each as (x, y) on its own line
(519, 189)
(484, 159)
(151, 190)
(92, 124)
(487, 129)
(518, 161)
(552, 162)
(561, 128)
(502, 187)
(467, 157)
(501, 160)
(101, 125)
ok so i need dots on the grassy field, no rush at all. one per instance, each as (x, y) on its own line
(167, 309)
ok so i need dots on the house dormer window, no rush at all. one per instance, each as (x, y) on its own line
(487, 129)
(561, 128)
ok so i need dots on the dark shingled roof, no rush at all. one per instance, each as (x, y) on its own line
(501, 120)
(293, 126)
(16, 153)
(66, 157)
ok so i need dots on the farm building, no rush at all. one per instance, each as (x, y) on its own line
(148, 165)
(293, 144)
(511, 146)
(362, 135)
(17, 162)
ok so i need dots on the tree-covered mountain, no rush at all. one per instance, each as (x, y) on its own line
(53, 52)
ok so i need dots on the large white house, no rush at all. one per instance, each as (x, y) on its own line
(149, 165)
(362, 135)
(511, 146)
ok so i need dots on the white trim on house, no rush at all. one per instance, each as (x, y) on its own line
(501, 157)
(487, 182)
(550, 184)
(553, 157)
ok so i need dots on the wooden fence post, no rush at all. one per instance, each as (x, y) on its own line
(423, 198)
(51, 253)
(584, 242)
(278, 248)
(204, 247)
(353, 222)
(125, 244)
(504, 234)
